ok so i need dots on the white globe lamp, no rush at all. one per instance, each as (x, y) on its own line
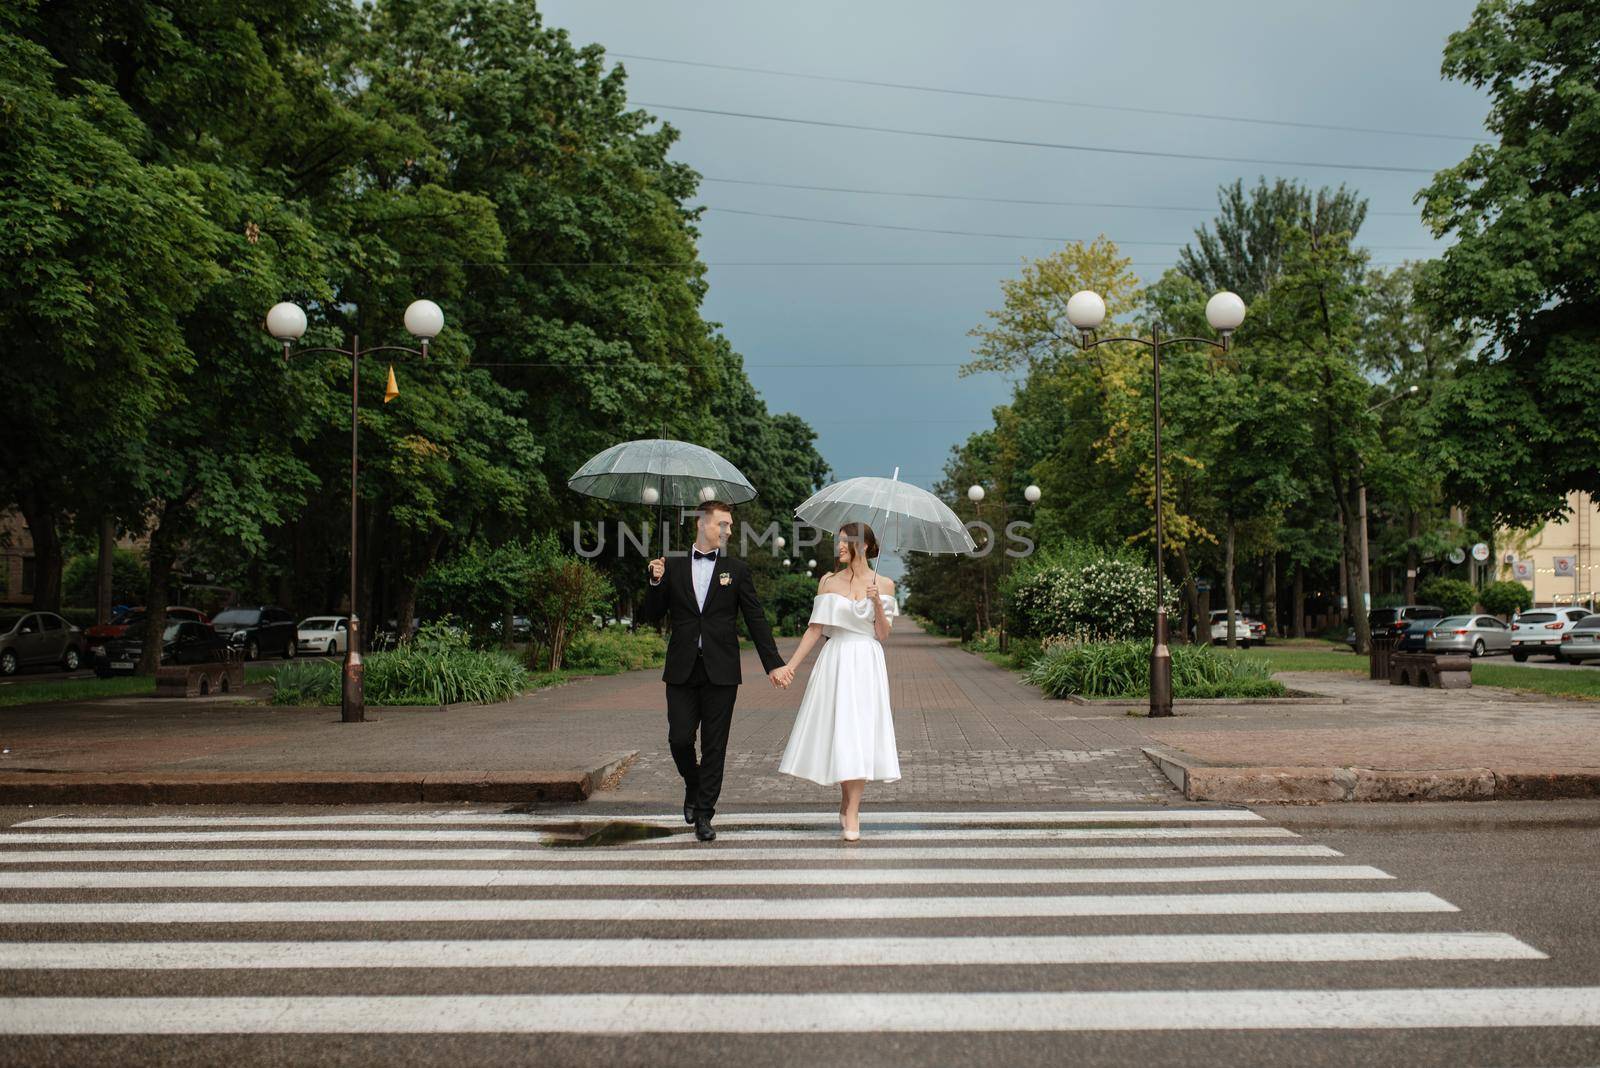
(1086, 310)
(778, 543)
(286, 322)
(650, 495)
(1225, 311)
(974, 493)
(1032, 494)
(707, 493)
(424, 320)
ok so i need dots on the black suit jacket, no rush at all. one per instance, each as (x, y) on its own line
(714, 632)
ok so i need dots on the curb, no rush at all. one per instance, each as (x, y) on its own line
(305, 788)
(1201, 780)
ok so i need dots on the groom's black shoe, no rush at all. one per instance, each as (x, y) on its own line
(702, 827)
(689, 806)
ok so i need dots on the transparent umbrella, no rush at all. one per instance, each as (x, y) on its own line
(662, 472)
(903, 516)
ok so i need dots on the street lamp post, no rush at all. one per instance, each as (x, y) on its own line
(975, 494)
(1086, 311)
(286, 322)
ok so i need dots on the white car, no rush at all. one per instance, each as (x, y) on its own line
(1540, 630)
(324, 634)
(1219, 628)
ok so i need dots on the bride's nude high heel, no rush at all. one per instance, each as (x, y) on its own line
(847, 833)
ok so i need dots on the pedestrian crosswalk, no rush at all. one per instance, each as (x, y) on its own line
(1150, 919)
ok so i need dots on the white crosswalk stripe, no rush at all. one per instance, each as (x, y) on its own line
(779, 891)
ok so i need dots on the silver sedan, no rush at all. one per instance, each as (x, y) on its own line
(1582, 642)
(1474, 635)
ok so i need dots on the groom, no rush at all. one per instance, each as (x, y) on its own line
(703, 594)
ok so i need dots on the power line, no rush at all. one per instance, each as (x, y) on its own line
(1050, 100)
(1139, 152)
(979, 233)
(985, 200)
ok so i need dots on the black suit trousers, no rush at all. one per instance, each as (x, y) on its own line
(700, 705)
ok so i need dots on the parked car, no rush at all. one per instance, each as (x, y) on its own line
(1539, 630)
(1415, 637)
(130, 621)
(183, 642)
(324, 634)
(258, 630)
(1581, 641)
(1258, 631)
(1475, 635)
(1219, 628)
(32, 639)
(1394, 621)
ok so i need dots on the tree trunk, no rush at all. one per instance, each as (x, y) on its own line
(1227, 584)
(1413, 528)
(105, 573)
(1299, 601)
(41, 518)
(1269, 595)
(163, 555)
(1350, 557)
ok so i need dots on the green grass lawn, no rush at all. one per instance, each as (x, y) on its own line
(49, 690)
(1576, 683)
(1307, 655)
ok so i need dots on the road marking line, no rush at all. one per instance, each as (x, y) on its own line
(314, 834)
(833, 851)
(611, 1014)
(730, 819)
(733, 909)
(771, 952)
(853, 876)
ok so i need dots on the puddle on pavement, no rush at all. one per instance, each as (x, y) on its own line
(609, 834)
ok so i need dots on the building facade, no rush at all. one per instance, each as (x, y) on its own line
(1576, 536)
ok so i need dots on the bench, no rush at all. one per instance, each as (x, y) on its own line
(200, 680)
(1448, 672)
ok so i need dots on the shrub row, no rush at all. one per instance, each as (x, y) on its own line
(1122, 669)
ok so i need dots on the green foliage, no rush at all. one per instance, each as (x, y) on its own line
(1455, 596)
(790, 598)
(1078, 589)
(129, 578)
(1520, 427)
(1505, 598)
(613, 649)
(436, 667)
(1122, 669)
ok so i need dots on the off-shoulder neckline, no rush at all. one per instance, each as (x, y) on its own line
(852, 600)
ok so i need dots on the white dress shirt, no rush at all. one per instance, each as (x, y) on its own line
(703, 569)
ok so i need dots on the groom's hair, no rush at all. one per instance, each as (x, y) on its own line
(716, 506)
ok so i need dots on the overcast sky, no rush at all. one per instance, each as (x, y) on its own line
(868, 354)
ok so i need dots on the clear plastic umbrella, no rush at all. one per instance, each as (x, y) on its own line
(680, 474)
(903, 516)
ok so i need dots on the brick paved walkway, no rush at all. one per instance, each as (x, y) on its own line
(968, 732)
(1393, 727)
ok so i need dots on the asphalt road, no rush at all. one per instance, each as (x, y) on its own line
(944, 937)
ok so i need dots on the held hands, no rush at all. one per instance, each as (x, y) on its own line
(781, 676)
(657, 568)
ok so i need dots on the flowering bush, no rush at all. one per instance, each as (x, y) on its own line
(1081, 591)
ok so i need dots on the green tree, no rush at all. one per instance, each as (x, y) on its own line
(1520, 426)
(1455, 596)
(1506, 598)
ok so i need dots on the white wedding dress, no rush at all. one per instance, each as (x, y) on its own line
(844, 729)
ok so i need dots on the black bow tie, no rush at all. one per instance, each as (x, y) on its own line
(698, 555)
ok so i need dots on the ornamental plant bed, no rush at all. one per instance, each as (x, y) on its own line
(1120, 670)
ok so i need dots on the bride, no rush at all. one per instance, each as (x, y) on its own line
(844, 731)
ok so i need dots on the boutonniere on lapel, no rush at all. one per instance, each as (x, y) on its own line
(724, 579)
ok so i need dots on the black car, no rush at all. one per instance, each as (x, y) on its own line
(183, 642)
(257, 631)
(1414, 639)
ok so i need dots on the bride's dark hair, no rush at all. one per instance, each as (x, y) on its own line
(855, 534)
